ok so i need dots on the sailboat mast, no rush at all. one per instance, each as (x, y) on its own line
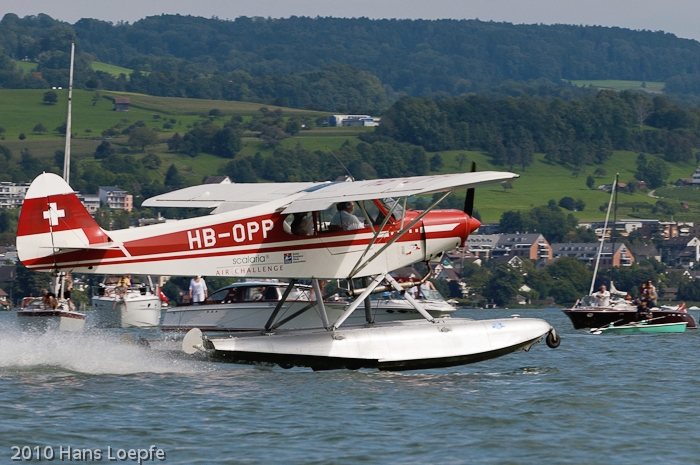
(602, 239)
(66, 159)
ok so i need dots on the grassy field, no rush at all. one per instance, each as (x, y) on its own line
(111, 69)
(194, 107)
(537, 184)
(24, 109)
(622, 85)
(26, 66)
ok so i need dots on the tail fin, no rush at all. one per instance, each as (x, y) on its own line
(53, 219)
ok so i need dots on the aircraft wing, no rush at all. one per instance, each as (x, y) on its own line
(304, 197)
(234, 196)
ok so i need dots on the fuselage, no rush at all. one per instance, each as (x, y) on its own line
(249, 243)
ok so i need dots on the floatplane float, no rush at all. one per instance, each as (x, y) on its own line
(251, 234)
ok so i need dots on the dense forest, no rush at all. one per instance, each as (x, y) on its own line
(580, 132)
(337, 64)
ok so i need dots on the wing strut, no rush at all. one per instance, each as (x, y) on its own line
(398, 235)
(369, 289)
(374, 239)
(277, 309)
(300, 311)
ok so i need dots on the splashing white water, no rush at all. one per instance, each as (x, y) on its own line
(90, 353)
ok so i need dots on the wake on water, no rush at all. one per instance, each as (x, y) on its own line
(90, 352)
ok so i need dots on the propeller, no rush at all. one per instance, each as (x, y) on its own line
(469, 199)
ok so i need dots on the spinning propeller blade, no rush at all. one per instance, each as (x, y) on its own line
(469, 199)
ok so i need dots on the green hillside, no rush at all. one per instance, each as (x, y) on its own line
(538, 183)
(23, 109)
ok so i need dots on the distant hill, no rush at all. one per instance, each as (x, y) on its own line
(262, 59)
(540, 181)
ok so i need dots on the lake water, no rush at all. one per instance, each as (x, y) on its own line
(603, 399)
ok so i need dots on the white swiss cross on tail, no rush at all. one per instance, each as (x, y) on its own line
(53, 214)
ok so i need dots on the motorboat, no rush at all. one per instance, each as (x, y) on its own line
(247, 306)
(137, 305)
(585, 314)
(34, 315)
(614, 308)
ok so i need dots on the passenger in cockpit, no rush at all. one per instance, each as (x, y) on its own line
(302, 225)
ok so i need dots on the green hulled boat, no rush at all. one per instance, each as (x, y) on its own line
(641, 327)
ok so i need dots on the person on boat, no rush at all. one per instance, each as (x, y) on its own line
(643, 310)
(413, 292)
(67, 286)
(260, 293)
(344, 220)
(425, 287)
(123, 285)
(198, 290)
(602, 297)
(652, 294)
(49, 300)
(643, 292)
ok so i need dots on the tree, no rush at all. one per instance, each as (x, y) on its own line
(151, 161)
(241, 171)
(104, 150)
(550, 221)
(511, 222)
(503, 285)
(292, 127)
(642, 109)
(95, 98)
(654, 172)
(567, 203)
(173, 178)
(572, 272)
(39, 128)
(22, 136)
(142, 136)
(590, 182)
(59, 157)
(50, 98)
(226, 143)
(461, 160)
(564, 293)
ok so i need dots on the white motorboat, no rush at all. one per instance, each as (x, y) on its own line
(136, 306)
(36, 316)
(247, 306)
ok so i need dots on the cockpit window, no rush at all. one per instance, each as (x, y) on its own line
(398, 210)
(300, 224)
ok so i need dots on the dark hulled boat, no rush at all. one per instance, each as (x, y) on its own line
(584, 315)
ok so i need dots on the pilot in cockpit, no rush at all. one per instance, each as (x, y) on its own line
(344, 220)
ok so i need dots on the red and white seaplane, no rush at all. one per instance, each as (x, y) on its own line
(252, 233)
